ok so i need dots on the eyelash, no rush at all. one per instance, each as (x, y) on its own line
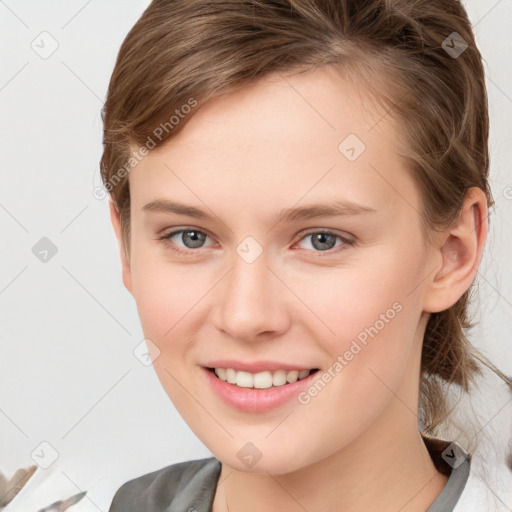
(346, 241)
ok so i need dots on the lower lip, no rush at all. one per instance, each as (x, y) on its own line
(257, 400)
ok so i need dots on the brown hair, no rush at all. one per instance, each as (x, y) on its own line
(181, 53)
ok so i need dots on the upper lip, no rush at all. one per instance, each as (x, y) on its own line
(256, 366)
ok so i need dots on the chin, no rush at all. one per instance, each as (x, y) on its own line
(269, 459)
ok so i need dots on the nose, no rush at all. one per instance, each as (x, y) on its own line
(251, 303)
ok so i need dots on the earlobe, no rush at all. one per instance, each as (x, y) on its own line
(460, 250)
(125, 263)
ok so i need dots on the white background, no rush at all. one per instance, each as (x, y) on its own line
(68, 326)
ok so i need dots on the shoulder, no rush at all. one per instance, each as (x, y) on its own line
(182, 486)
(469, 487)
(491, 491)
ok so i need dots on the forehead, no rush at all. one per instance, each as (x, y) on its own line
(279, 107)
(286, 136)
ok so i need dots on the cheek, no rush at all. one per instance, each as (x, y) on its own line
(167, 305)
(366, 318)
(342, 303)
(165, 293)
(171, 301)
(369, 360)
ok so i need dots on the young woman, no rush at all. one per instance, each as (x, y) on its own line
(300, 194)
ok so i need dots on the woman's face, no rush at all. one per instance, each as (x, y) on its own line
(267, 279)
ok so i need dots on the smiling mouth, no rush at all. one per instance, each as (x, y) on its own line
(260, 380)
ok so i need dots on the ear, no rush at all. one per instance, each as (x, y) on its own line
(125, 263)
(459, 250)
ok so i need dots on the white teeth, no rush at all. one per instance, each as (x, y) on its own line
(244, 379)
(230, 375)
(221, 373)
(303, 373)
(292, 376)
(279, 378)
(261, 380)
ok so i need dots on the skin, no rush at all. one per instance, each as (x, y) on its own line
(243, 158)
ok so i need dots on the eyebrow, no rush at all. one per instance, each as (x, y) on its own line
(312, 211)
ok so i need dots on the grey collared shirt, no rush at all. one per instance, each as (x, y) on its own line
(190, 486)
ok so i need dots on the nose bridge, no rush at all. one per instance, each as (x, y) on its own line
(249, 302)
(249, 284)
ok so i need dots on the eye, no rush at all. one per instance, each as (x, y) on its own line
(190, 237)
(323, 241)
